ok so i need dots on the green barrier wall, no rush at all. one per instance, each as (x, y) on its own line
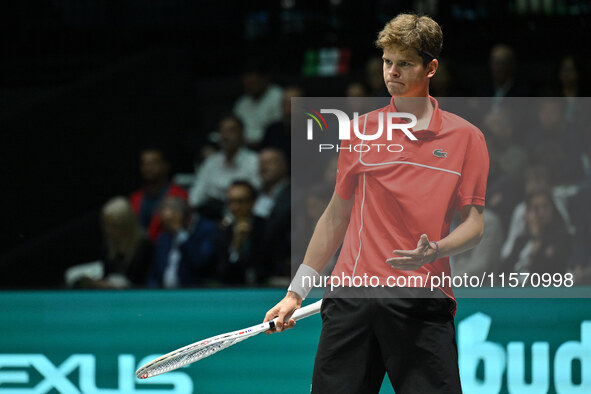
(93, 341)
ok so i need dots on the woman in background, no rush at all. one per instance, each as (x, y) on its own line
(546, 246)
(128, 252)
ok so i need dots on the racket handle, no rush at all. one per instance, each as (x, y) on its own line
(306, 311)
(301, 313)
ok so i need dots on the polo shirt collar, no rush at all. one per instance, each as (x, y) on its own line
(435, 122)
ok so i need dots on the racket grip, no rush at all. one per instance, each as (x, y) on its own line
(301, 313)
(306, 311)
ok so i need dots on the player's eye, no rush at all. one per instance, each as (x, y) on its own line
(404, 64)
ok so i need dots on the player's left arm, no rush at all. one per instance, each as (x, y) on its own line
(464, 237)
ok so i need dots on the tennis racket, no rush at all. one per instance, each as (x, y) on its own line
(205, 348)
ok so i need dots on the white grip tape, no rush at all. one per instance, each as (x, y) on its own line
(305, 311)
(303, 280)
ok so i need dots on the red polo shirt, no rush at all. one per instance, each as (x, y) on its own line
(401, 195)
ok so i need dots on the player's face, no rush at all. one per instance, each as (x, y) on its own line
(405, 74)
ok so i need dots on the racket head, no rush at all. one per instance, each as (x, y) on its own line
(205, 348)
(197, 351)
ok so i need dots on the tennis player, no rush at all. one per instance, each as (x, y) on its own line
(392, 214)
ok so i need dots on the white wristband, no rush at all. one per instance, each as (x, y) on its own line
(303, 281)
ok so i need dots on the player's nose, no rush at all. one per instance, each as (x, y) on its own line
(393, 71)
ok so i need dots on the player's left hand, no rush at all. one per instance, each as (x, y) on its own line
(411, 260)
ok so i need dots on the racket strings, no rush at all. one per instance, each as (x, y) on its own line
(207, 347)
(189, 356)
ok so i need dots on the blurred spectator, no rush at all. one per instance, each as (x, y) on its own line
(484, 257)
(537, 179)
(570, 78)
(260, 105)
(128, 252)
(274, 204)
(503, 67)
(312, 201)
(275, 182)
(240, 238)
(554, 142)
(220, 169)
(186, 251)
(278, 135)
(374, 77)
(580, 211)
(330, 173)
(356, 89)
(573, 84)
(503, 190)
(587, 155)
(356, 102)
(546, 246)
(317, 200)
(203, 146)
(498, 129)
(155, 169)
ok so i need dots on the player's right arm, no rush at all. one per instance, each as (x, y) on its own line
(328, 236)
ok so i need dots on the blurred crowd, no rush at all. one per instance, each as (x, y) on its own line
(232, 225)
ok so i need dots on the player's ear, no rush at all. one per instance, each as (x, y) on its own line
(431, 68)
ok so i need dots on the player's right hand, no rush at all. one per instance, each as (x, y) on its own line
(283, 311)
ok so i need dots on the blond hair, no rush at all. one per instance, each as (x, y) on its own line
(120, 210)
(411, 31)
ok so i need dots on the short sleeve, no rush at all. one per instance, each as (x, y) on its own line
(346, 174)
(472, 187)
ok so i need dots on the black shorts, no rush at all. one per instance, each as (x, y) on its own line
(412, 338)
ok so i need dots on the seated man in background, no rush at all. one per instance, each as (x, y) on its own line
(278, 134)
(499, 131)
(219, 170)
(240, 241)
(503, 72)
(186, 251)
(155, 171)
(557, 143)
(274, 205)
(260, 106)
(275, 182)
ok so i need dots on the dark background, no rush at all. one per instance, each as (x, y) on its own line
(84, 84)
